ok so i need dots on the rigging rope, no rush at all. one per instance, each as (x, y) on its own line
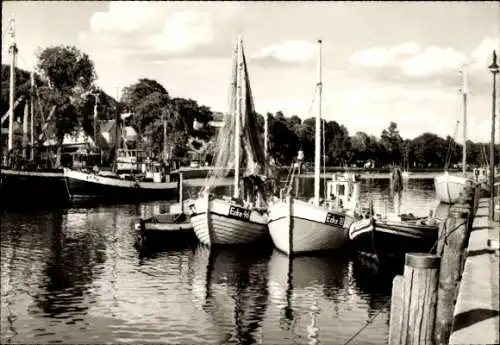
(444, 234)
(451, 147)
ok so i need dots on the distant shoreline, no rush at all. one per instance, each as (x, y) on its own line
(202, 172)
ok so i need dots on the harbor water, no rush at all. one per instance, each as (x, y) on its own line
(74, 276)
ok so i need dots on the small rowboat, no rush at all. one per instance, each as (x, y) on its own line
(163, 229)
(165, 222)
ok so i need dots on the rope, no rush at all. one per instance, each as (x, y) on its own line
(485, 156)
(370, 321)
(451, 147)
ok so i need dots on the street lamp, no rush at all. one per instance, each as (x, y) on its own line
(494, 70)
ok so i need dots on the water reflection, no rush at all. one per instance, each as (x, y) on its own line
(74, 276)
(232, 290)
(307, 289)
(69, 271)
(374, 284)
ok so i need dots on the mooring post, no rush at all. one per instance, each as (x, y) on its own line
(450, 272)
(396, 311)
(448, 225)
(420, 287)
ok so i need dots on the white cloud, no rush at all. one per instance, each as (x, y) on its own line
(483, 52)
(160, 30)
(183, 31)
(433, 61)
(408, 62)
(127, 17)
(287, 52)
(383, 56)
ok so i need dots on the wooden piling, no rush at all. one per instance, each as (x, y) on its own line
(420, 287)
(450, 271)
(396, 311)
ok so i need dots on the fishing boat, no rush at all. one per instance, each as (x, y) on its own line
(221, 219)
(299, 226)
(448, 187)
(96, 184)
(163, 227)
(392, 236)
(22, 173)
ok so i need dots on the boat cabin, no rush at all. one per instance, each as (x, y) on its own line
(156, 171)
(343, 192)
(130, 161)
(481, 174)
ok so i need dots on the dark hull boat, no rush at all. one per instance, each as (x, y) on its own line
(87, 185)
(391, 239)
(22, 187)
(163, 230)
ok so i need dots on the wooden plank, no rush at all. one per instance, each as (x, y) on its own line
(421, 274)
(396, 311)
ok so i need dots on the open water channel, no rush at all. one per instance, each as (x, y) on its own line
(74, 276)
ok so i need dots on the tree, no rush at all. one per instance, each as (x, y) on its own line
(391, 142)
(359, 147)
(337, 143)
(134, 95)
(429, 150)
(283, 142)
(70, 74)
(66, 67)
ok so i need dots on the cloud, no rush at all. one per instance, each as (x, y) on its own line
(287, 52)
(412, 63)
(127, 18)
(155, 31)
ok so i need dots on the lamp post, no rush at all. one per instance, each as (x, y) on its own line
(494, 70)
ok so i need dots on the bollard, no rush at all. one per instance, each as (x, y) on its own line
(421, 274)
(396, 311)
(446, 226)
(450, 273)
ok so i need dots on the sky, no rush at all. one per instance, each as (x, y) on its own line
(381, 62)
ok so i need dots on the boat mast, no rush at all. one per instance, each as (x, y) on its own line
(12, 84)
(266, 143)
(237, 129)
(25, 130)
(32, 113)
(464, 98)
(317, 144)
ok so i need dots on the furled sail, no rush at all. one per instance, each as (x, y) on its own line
(252, 157)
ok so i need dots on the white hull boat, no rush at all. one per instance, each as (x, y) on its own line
(222, 222)
(302, 227)
(298, 226)
(448, 187)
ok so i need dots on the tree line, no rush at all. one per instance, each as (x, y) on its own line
(65, 79)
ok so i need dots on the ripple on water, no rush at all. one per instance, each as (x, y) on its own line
(73, 276)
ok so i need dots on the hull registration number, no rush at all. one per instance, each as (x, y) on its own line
(239, 212)
(335, 219)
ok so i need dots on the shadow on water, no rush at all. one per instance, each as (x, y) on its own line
(49, 268)
(232, 289)
(69, 270)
